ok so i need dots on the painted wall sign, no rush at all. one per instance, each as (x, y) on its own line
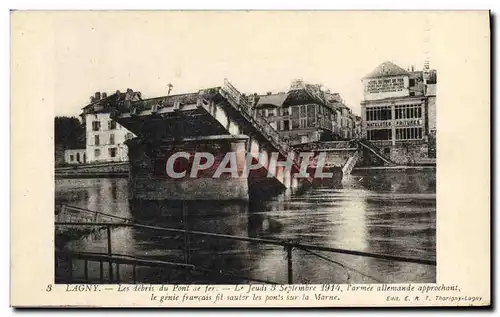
(380, 88)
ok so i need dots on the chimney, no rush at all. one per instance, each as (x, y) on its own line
(97, 96)
(92, 99)
(427, 64)
(104, 95)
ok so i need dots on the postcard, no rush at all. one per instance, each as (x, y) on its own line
(250, 158)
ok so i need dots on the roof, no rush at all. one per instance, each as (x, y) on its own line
(300, 97)
(108, 98)
(386, 69)
(274, 99)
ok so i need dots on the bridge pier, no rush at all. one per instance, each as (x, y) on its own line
(149, 179)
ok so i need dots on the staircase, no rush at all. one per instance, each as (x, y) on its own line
(238, 102)
(351, 162)
(372, 148)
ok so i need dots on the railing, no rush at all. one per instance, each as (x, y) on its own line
(351, 162)
(375, 150)
(111, 268)
(288, 246)
(75, 214)
(167, 101)
(241, 104)
(325, 146)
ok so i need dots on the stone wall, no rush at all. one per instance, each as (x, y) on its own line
(93, 169)
(408, 153)
(149, 180)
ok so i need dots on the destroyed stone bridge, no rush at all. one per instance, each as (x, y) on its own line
(217, 121)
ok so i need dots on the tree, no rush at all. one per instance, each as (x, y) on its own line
(69, 133)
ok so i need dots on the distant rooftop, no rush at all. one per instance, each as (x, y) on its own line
(274, 99)
(386, 69)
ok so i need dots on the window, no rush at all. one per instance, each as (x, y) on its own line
(71, 158)
(286, 111)
(112, 139)
(412, 82)
(383, 134)
(408, 111)
(112, 152)
(111, 125)
(303, 123)
(97, 153)
(278, 125)
(78, 157)
(378, 113)
(96, 125)
(96, 140)
(408, 133)
(303, 111)
(286, 124)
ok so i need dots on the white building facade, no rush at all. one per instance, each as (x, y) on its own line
(75, 156)
(399, 112)
(105, 139)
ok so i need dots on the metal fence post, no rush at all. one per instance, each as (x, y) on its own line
(86, 270)
(290, 263)
(186, 235)
(108, 230)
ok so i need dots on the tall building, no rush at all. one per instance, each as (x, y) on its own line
(399, 111)
(306, 113)
(105, 138)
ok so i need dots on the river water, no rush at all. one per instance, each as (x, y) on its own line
(391, 213)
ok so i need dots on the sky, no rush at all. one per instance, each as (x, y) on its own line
(257, 51)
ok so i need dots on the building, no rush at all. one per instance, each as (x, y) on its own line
(358, 127)
(306, 113)
(399, 112)
(105, 138)
(75, 156)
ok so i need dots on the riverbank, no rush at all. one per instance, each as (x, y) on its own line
(97, 170)
(121, 170)
(92, 175)
(398, 168)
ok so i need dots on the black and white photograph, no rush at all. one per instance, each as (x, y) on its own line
(250, 158)
(289, 165)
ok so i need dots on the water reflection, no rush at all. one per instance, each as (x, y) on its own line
(391, 213)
